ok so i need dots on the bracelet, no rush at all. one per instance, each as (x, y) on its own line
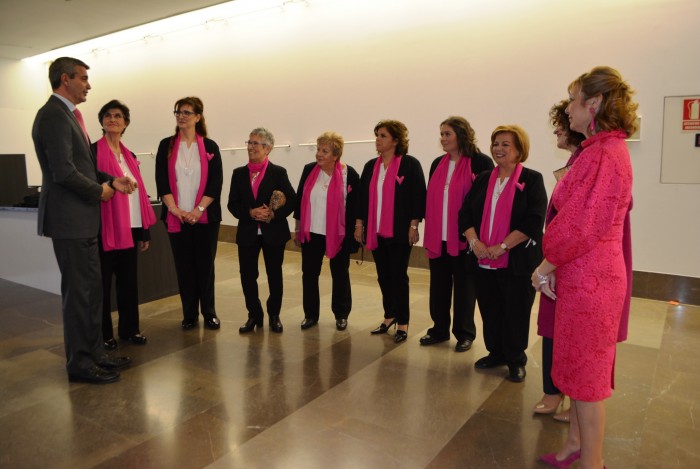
(472, 243)
(415, 227)
(543, 278)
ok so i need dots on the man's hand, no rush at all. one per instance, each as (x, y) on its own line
(107, 192)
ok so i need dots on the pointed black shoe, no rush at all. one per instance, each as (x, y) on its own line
(401, 336)
(249, 325)
(276, 324)
(383, 328)
(428, 339)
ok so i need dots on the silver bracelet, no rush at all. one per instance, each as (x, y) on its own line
(472, 243)
(543, 278)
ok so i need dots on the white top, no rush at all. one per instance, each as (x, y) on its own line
(380, 186)
(318, 199)
(134, 203)
(188, 170)
(450, 170)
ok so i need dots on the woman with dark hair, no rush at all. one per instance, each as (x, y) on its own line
(261, 197)
(125, 223)
(324, 223)
(587, 258)
(189, 176)
(451, 177)
(502, 219)
(392, 204)
(569, 140)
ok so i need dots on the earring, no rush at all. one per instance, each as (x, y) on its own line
(591, 126)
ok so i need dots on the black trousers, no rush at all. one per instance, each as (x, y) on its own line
(505, 302)
(451, 283)
(81, 292)
(273, 256)
(391, 260)
(547, 383)
(194, 252)
(123, 266)
(312, 253)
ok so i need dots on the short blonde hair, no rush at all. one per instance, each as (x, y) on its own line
(520, 138)
(333, 140)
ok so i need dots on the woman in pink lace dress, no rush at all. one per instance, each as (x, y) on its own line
(584, 259)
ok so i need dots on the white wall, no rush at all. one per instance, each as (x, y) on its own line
(345, 65)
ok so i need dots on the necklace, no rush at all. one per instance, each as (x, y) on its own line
(325, 180)
(188, 157)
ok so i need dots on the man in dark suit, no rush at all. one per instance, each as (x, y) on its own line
(69, 213)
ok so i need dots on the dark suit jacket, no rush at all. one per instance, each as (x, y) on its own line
(215, 178)
(69, 203)
(409, 196)
(349, 242)
(529, 208)
(241, 201)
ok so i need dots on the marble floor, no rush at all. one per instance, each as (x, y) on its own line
(322, 398)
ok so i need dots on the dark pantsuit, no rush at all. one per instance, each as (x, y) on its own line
(122, 264)
(194, 252)
(312, 253)
(273, 256)
(547, 383)
(391, 260)
(81, 290)
(449, 280)
(505, 302)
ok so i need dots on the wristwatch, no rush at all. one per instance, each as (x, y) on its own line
(504, 246)
(200, 208)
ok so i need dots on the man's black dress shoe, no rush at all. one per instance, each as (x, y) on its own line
(276, 324)
(250, 324)
(383, 328)
(94, 375)
(489, 361)
(341, 324)
(516, 373)
(137, 339)
(188, 324)
(212, 323)
(113, 363)
(463, 345)
(308, 323)
(110, 344)
(428, 339)
(400, 336)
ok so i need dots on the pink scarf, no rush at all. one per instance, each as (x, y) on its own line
(116, 217)
(504, 209)
(386, 224)
(335, 210)
(204, 158)
(460, 184)
(255, 179)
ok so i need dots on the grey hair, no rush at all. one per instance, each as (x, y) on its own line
(265, 134)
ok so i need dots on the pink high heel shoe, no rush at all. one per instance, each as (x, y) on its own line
(551, 459)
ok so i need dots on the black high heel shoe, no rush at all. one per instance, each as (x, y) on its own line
(400, 336)
(383, 328)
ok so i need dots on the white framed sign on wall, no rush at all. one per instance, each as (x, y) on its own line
(680, 152)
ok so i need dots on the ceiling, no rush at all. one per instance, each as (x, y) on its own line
(31, 27)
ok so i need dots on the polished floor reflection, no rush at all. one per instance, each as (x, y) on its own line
(322, 398)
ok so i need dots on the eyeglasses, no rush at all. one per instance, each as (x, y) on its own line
(254, 144)
(184, 113)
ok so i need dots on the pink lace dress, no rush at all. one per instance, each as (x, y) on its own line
(585, 241)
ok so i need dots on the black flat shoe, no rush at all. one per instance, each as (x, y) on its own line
(212, 323)
(489, 361)
(428, 339)
(110, 344)
(400, 336)
(137, 339)
(94, 375)
(113, 363)
(341, 324)
(276, 324)
(250, 324)
(188, 324)
(308, 323)
(516, 373)
(463, 345)
(383, 327)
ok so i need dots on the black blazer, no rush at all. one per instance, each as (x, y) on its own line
(71, 191)
(529, 208)
(215, 178)
(241, 201)
(409, 195)
(353, 182)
